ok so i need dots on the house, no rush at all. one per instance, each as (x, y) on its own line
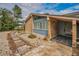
(54, 27)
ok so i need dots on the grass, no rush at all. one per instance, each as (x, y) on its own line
(32, 36)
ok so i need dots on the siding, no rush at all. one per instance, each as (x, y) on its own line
(42, 32)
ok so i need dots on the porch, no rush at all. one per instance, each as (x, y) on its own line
(63, 31)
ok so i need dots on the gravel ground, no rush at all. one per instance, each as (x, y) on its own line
(54, 49)
(4, 48)
(46, 48)
(43, 48)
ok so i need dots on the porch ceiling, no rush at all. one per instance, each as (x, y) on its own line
(60, 19)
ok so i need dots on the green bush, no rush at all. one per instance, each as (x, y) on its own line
(32, 36)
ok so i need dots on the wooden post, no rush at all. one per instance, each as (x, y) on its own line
(32, 24)
(49, 28)
(74, 33)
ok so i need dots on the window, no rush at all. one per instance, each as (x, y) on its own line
(46, 25)
(40, 23)
(43, 25)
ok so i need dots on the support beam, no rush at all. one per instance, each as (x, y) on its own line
(74, 33)
(49, 28)
(32, 26)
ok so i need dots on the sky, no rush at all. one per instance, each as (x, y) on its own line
(51, 8)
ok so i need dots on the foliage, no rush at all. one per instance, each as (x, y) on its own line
(8, 19)
(17, 14)
(17, 11)
(32, 36)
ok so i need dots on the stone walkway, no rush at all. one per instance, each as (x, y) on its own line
(21, 47)
(4, 48)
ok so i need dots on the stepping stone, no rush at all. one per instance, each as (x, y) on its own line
(16, 38)
(19, 43)
(23, 49)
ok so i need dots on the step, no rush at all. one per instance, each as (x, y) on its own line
(19, 43)
(23, 49)
(15, 38)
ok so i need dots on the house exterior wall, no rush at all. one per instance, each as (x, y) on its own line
(28, 26)
(52, 30)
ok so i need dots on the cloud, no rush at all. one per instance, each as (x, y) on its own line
(37, 8)
(69, 10)
(42, 8)
(76, 7)
(28, 8)
(47, 11)
(66, 11)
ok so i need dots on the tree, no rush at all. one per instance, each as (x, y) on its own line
(9, 20)
(17, 11)
(6, 20)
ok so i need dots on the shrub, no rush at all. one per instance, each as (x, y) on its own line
(45, 39)
(32, 36)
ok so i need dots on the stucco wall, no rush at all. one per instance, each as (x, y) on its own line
(53, 27)
(28, 26)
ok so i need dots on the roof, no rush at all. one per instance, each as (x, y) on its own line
(53, 16)
(74, 14)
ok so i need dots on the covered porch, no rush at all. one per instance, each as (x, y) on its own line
(63, 30)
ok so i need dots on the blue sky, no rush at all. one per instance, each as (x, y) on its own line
(51, 8)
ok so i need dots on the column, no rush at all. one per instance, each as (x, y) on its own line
(74, 33)
(49, 28)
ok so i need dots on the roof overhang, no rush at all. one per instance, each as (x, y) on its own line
(63, 18)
